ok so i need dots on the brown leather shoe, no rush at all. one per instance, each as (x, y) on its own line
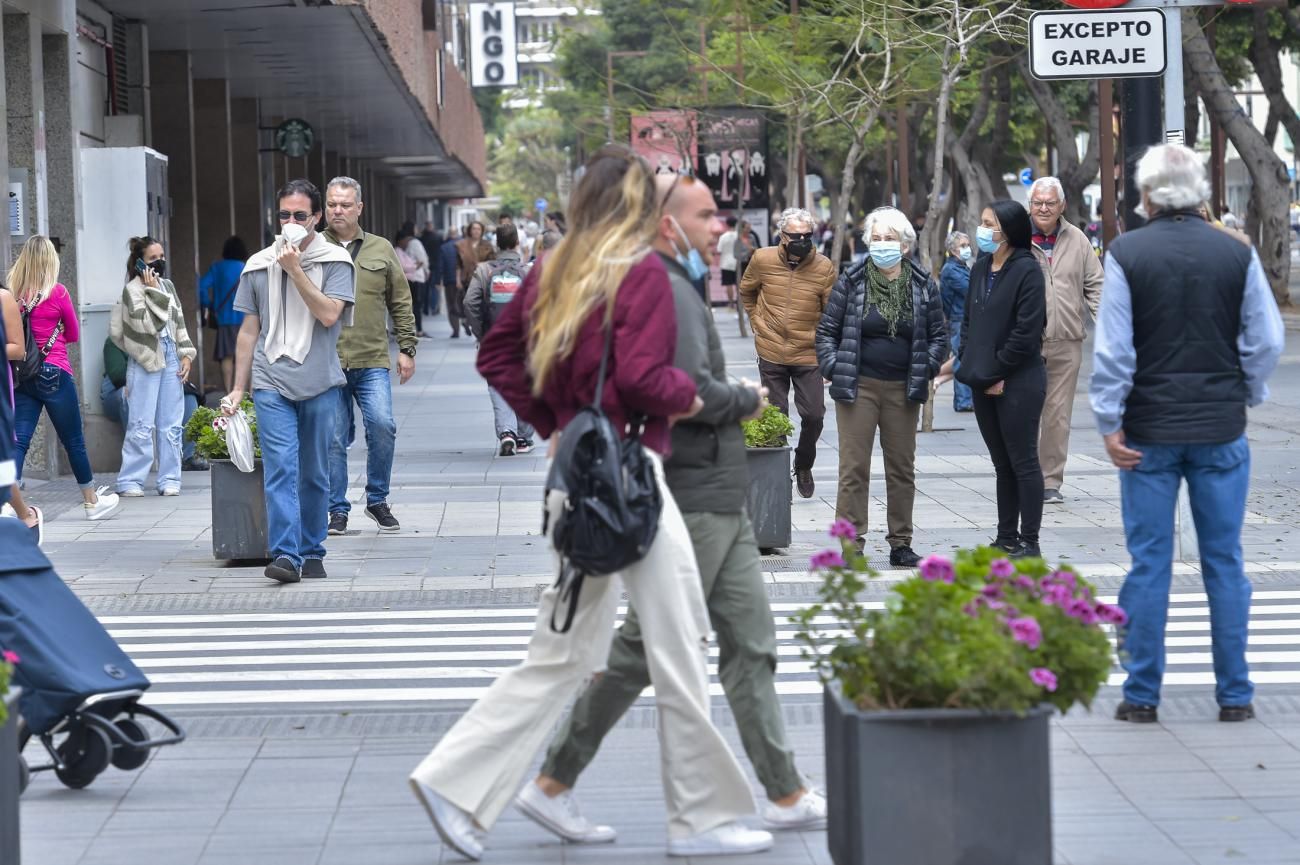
(803, 479)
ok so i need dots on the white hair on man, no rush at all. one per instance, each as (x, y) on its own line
(891, 219)
(954, 241)
(795, 214)
(1048, 183)
(346, 183)
(1173, 177)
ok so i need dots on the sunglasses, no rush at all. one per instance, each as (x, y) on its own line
(688, 179)
(807, 235)
(295, 215)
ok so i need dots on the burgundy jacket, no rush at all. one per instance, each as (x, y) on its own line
(640, 377)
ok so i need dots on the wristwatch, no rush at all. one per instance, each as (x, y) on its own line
(409, 352)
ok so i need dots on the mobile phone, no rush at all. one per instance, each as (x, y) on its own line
(139, 265)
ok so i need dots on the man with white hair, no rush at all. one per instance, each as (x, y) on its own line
(1187, 337)
(784, 290)
(1073, 277)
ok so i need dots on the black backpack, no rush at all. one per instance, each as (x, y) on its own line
(613, 503)
(29, 367)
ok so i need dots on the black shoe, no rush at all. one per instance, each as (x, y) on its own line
(508, 445)
(1053, 497)
(338, 524)
(380, 513)
(803, 479)
(455, 334)
(313, 569)
(903, 557)
(523, 446)
(1026, 550)
(1230, 714)
(195, 464)
(1135, 714)
(1006, 545)
(282, 571)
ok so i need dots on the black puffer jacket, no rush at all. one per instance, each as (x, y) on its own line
(839, 334)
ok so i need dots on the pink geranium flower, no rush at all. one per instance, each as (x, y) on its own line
(827, 559)
(10, 657)
(937, 569)
(844, 530)
(1111, 614)
(1026, 630)
(1001, 568)
(1043, 678)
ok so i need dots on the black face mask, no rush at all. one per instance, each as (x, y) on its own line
(798, 250)
(159, 267)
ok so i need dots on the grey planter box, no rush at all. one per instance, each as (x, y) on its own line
(10, 782)
(770, 494)
(937, 786)
(238, 512)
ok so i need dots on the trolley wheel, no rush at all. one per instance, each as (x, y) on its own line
(125, 757)
(85, 753)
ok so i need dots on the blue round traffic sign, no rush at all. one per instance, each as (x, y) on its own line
(540, 204)
(1027, 176)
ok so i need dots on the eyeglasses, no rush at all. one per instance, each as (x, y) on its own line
(679, 178)
(1044, 205)
(295, 215)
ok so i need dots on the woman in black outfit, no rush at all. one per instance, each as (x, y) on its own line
(1002, 361)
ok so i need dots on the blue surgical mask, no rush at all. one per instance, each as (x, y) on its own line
(984, 237)
(886, 253)
(964, 253)
(691, 259)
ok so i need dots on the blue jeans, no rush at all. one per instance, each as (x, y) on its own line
(961, 394)
(373, 394)
(295, 438)
(55, 391)
(113, 399)
(1218, 478)
(155, 409)
(505, 419)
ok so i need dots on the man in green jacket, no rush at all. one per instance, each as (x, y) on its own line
(707, 475)
(382, 291)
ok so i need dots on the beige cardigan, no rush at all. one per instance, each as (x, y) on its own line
(141, 315)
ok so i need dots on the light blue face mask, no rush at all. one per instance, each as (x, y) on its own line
(964, 253)
(886, 253)
(691, 259)
(984, 237)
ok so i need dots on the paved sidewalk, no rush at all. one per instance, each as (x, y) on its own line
(407, 628)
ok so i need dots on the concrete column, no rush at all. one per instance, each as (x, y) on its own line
(214, 196)
(172, 96)
(332, 169)
(246, 178)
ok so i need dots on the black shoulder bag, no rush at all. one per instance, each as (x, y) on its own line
(29, 367)
(611, 512)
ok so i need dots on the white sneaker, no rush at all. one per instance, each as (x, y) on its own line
(808, 813)
(7, 510)
(729, 839)
(106, 505)
(455, 827)
(562, 816)
(169, 491)
(133, 493)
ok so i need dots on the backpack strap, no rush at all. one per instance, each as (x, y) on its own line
(569, 582)
(604, 361)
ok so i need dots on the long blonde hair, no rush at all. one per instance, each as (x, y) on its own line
(613, 216)
(35, 271)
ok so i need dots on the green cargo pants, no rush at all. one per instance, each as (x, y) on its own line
(739, 612)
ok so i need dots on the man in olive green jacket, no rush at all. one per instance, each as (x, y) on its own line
(382, 291)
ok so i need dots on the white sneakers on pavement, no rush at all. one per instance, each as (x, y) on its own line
(106, 504)
(806, 814)
(132, 493)
(455, 826)
(729, 839)
(561, 816)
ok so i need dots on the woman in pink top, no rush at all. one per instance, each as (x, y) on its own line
(48, 306)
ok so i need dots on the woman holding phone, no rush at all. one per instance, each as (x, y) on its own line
(151, 330)
(1001, 359)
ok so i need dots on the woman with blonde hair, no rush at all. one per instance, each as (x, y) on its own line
(151, 330)
(46, 304)
(543, 354)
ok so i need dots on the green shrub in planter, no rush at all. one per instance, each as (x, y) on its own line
(768, 430)
(206, 429)
(7, 660)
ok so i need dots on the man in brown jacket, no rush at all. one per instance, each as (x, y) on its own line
(1073, 276)
(784, 289)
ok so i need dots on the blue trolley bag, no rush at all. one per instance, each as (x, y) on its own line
(65, 655)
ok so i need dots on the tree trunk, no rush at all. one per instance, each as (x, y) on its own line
(1264, 51)
(1074, 174)
(848, 179)
(931, 227)
(977, 187)
(1268, 176)
(795, 139)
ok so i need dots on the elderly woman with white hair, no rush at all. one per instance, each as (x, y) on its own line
(881, 341)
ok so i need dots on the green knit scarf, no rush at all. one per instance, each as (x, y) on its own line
(893, 298)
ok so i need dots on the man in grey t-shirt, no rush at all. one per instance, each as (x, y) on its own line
(295, 295)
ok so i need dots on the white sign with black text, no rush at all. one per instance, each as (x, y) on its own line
(1117, 44)
(494, 61)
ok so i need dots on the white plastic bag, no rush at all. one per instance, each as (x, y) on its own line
(239, 441)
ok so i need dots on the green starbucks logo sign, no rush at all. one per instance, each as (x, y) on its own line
(294, 138)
